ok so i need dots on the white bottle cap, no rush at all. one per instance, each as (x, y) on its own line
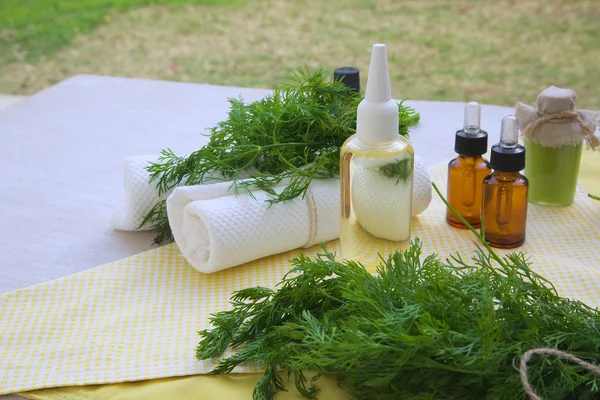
(377, 114)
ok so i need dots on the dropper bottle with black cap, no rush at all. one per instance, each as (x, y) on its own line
(505, 190)
(467, 171)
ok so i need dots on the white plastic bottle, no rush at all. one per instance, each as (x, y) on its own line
(377, 170)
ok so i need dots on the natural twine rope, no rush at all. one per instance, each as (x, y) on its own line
(314, 218)
(563, 117)
(549, 352)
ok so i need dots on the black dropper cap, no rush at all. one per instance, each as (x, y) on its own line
(508, 155)
(349, 76)
(471, 140)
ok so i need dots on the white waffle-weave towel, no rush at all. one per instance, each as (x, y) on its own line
(216, 229)
(141, 196)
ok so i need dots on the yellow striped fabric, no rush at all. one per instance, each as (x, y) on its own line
(137, 318)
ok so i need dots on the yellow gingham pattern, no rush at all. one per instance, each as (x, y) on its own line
(137, 318)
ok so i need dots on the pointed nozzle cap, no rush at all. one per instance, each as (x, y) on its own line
(377, 114)
(379, 89)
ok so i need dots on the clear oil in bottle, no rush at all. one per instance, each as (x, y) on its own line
(377, 170)
(376, 193)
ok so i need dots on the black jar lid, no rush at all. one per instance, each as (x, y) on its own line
(349, 76)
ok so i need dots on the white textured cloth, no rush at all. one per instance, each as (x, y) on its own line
(140, 196)
(216, 230)
(422, 190)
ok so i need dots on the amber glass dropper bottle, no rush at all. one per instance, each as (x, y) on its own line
(505, 190)
(467, 171)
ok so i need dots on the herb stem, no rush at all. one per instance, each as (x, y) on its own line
(479, 236)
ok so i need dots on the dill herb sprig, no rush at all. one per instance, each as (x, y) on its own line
(401, 169)
(293, 135)
(420, 328)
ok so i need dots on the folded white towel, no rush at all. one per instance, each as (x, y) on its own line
(140, 196)
(216, 230)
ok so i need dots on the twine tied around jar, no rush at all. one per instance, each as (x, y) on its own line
(587, 129)
(555, 122)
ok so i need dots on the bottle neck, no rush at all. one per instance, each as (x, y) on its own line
(470, 160)
(367, 143)
(506, 176)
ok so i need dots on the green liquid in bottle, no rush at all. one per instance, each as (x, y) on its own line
(552, 173)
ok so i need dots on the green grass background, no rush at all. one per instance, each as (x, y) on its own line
(491, 51)
(40, 27)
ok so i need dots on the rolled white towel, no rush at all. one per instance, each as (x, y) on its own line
(215, 229)
(141, 196)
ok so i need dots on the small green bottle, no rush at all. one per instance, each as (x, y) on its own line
(552, 172)
(553, 134)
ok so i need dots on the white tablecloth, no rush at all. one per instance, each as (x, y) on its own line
(61, 155)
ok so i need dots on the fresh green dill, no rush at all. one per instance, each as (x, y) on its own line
(420, 328)
(293, 135)
(401, 169)
(157, 218)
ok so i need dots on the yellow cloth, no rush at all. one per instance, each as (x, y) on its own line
(560, 241)
(228, 387)
(589, 171)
